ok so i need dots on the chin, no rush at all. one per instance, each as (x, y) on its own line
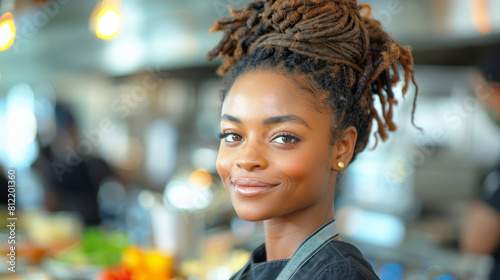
(251, 218)
(251, 214)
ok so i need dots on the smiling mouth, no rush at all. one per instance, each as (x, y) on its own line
(251, 187)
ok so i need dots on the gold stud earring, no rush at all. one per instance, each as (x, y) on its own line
(341, 164)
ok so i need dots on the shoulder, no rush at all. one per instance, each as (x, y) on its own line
(342, 260)
(345, 274)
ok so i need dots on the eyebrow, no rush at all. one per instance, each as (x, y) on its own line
(272, 120)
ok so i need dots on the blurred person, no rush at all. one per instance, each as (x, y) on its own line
(72, 180)
(4, 191)
(301, 80)
(481, 229)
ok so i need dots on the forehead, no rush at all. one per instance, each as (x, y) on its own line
(269, 91)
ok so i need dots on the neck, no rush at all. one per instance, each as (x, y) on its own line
(283, 235)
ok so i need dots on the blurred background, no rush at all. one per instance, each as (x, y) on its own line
(109, 115)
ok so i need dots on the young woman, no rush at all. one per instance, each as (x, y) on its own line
(297, 108)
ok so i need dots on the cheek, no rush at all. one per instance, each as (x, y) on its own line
(309, 165)
(298, 166)
(294, 167)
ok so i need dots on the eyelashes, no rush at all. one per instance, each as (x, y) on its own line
(281, 138)
(289, 136)
(223, 135)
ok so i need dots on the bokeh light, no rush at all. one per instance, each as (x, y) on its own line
(108, 24)
(7, 31)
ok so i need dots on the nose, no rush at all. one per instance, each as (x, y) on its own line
(251, 157)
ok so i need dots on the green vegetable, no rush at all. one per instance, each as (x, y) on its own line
(97, 247)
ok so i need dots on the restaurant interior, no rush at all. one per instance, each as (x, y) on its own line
(109, 120)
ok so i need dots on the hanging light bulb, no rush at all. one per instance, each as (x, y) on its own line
(108, 23)
(7, 31)
(106, 19)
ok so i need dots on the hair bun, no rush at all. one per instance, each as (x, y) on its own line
(339, 32)
(322, 28)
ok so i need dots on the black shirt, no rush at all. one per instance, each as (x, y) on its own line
(337, 260)
(491, 196)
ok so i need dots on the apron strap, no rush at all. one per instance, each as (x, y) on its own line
(238, 275)
(308, 248)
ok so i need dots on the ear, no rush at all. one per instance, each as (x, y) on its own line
(343, 148)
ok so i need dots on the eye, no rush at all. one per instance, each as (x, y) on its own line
(230, 137)
(286, 139)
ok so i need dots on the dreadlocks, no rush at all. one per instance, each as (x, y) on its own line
(347, 55)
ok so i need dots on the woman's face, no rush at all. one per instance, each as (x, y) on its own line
(275, 155)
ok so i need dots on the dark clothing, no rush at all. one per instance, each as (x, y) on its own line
(491, 196)
(4, 191)
(74, 187)
(491, 190)
(495, 272)
(77, 190)
(337, 260)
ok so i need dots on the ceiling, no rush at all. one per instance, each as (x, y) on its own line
(53, 37)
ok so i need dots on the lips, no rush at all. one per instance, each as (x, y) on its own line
(251, 187)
